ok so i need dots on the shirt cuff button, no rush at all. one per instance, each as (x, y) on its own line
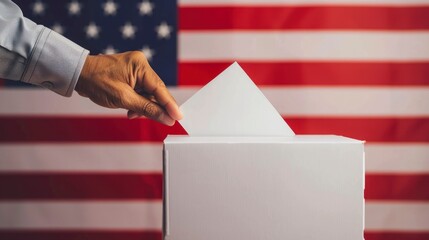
(47, 85)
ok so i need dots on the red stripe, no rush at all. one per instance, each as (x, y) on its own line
(131, 186)
(79, 235)
(369, 129)
(83, 129)
(110, 129)
(303, 17)
(35, 186)
(396, 235)
(397, 187)
(313, 73)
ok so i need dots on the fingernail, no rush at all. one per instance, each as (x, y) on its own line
(167, 120)
(133, 115)
(180, 114)
(175, 112)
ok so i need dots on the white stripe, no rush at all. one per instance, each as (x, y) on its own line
(289, 101)
(349, 101)
(397, 158)
(301, 2)
(147, 157)
(380, 216)
(127, 157)
(396, 216)
(304, 45)
(43, 102)
(137, 215)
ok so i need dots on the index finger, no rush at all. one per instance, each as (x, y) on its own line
(152, 84)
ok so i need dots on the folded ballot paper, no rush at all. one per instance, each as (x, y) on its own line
(232, 105)
(242, 173)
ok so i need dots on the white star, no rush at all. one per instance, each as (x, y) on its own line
(38, 8)
(110, 50)
(110, 7)
(164, 30)
(92, 30)
(128, 30)
(145, 8)
(58, 28)
(148, 52)
(74, 7)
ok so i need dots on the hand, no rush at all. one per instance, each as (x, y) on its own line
(127, 81)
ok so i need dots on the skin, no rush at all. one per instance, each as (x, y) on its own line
(127, 81)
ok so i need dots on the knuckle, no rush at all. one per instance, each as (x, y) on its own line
(137, 56)
(151, 110)
(120, 98)
(156, 82)
(138, 62)
(161, 83)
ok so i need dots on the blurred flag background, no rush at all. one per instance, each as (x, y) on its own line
(360, 68)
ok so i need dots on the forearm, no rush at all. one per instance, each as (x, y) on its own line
(35, 54)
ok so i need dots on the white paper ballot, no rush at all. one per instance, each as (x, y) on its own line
(232, 105)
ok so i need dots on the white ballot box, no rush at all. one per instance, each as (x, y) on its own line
(263, 188)
(243, 174)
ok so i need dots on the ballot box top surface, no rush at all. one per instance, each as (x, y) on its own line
(184, 139)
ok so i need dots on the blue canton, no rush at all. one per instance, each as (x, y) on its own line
(111, 26)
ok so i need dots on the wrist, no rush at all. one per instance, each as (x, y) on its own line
(85, 73)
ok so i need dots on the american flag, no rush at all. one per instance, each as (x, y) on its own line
(359, 68)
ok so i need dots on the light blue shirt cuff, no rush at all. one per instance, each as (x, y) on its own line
(55, 63)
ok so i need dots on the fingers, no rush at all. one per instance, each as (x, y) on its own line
(140, 106)
(152, 84)
(132, 115)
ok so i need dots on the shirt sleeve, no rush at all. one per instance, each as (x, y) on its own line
(35, 54)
